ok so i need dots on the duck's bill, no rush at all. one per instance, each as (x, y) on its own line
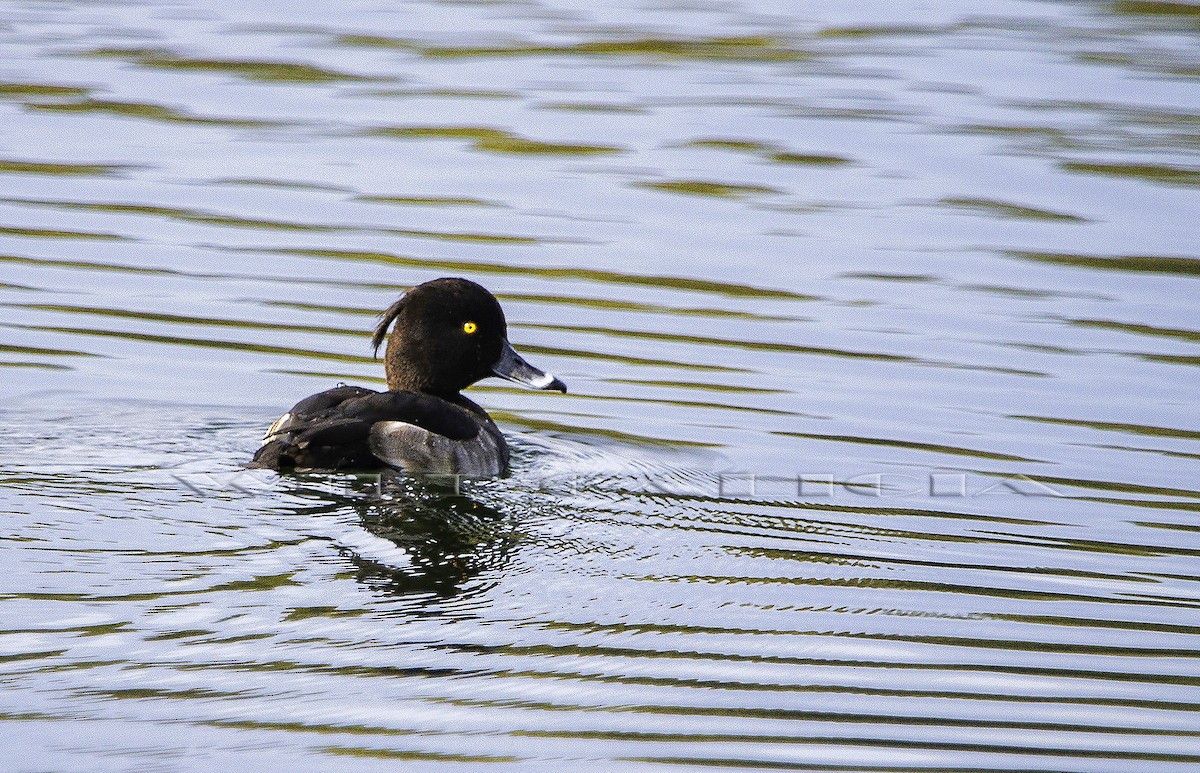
(513, 367)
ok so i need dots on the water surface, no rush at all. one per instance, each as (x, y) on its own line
(880, 324)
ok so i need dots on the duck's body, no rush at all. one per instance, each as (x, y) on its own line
(449, 333)
(351, 427)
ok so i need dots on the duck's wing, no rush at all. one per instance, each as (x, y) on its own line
(408, 447)
(315, 434)
(332, 430)
(427, 435)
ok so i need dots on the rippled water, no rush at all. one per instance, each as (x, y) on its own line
(881, 329)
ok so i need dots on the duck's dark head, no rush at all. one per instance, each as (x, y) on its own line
(448, 334)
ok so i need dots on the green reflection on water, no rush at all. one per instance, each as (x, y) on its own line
(760, 346)
(1160, 173)
(40, 167)
(49, 233)
(1148, 330)
(749, 146)
(413, 756)
(703, 386)
(708, 188)
(1147, 263)
(594, 275)
(1156, 8)
(625, 399)
(770, 152)
(299, 185)
(144, 110)
(148, 316)
(19, 90)
(187, 215)
(876, 276)
(1051, 135)
(594, 107)
(1135, 429)
(205, 343)
(880, 31)
(215, 218)
(304, 613)
(465, 237)
(1006, 210)
(251, 69)
(649, 308)
(812, 159)
(933, 447)
(35, 365)
(430, 201)
(747, 48)
(565, 300)
(14, 349)
(493, 140)
(629, 359)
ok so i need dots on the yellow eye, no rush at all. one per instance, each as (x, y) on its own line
(469, 327)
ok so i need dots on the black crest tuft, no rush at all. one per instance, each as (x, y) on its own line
(385, 321)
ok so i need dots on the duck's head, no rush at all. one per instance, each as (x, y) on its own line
(448, 334)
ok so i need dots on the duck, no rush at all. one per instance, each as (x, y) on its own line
(446, 335)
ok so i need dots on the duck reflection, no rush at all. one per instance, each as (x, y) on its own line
(447, 536)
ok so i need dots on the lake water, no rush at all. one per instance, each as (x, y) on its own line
(880, 323)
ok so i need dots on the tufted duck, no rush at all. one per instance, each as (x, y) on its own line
(448, 334)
